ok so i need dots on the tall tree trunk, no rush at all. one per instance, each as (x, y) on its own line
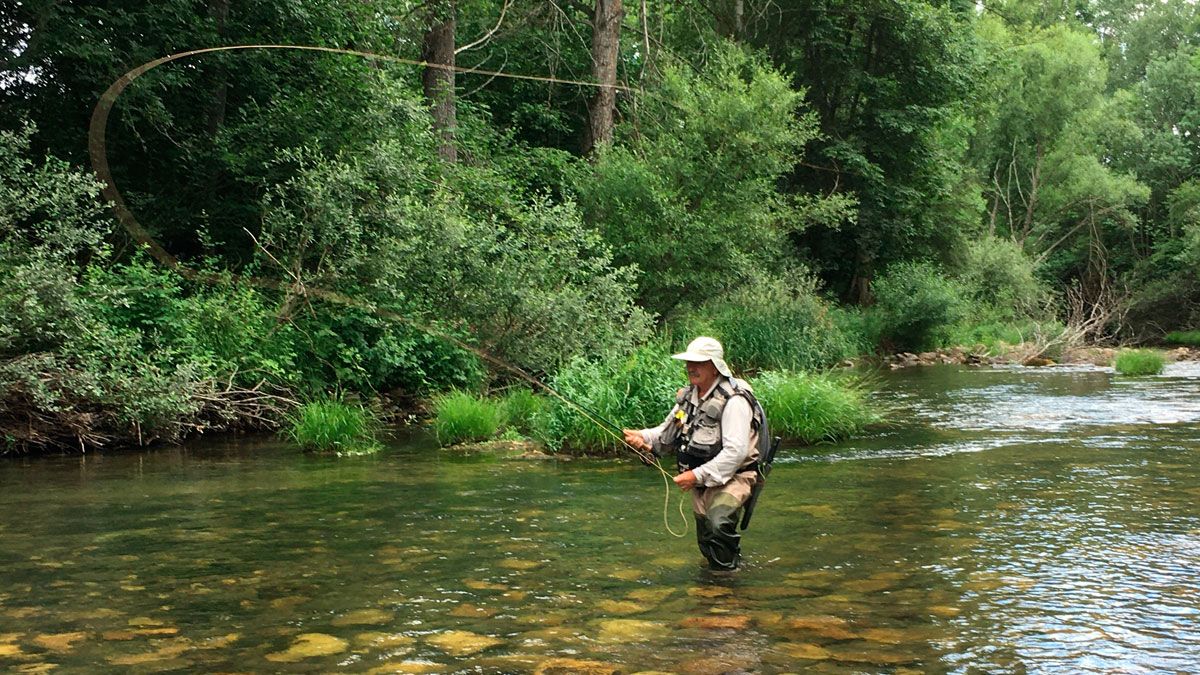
(731, 19)
(606, 42)
(214, 114)
(438, 83)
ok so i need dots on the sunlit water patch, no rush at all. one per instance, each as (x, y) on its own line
(938, 544)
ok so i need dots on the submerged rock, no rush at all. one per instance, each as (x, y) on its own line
(832, 627)
(629, 630)
(308, 645)
(805, 650)
(360, 617)
(650, 594)
(709, 591)
(407, 667)
(469, 611)
(620, 607)
(736, 622)
(463, 642)
(59, 642)
(389, 641)
(566, 666)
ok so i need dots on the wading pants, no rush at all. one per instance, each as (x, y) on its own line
(717, 510)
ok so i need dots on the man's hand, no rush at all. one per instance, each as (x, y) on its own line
(686, 480)
(633, 437)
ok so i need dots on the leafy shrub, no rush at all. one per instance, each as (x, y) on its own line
(1189, 338)
(996, 273)
(332, 424)
(692, 198)
(917, 305)
(813, 407)
(773, 325)
(460, 416)
(634, 391)
(451, 246)
(1139, 362)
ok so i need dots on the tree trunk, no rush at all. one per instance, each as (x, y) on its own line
(731, 19)
(438, 83)
(606, 42)
(214, 114)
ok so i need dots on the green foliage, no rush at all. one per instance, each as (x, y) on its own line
(1187, 338)
(464, 247)
(773, 325)
(1139, 362)
(691, 199)
(524, 411)
(333, 424)
(917, 305)
(460, 417)
(997, 273)
(813, 408)
(632, 390)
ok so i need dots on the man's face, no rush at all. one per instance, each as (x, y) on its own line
(701, 374)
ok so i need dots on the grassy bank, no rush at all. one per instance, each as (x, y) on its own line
(636, 392)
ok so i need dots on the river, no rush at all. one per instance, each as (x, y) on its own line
(1009, 520)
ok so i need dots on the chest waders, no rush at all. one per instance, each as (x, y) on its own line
(695, 436)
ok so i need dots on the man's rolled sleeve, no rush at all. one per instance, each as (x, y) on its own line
(653, 435)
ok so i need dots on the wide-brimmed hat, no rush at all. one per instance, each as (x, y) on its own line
(706, 349)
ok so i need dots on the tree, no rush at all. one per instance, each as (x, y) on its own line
(1045, 146)
(437, 49)
(890, 83)
(606, 44)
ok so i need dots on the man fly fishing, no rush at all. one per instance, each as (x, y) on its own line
(716, 430)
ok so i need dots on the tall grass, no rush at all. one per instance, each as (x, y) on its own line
(524, 411)
(630, 391)
(814, 407)
(334, 425)
(1187, 338)
(774, 326)
(1139, 362)
(461, 416)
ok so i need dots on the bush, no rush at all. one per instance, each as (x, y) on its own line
(1139, 362)
(813, 408)
(1189, 338)
(917, 306)
(629, 391)
(460, 417)
(692, 198)
(996, 273)
(523, 411)
(333, 424)
(773, 325)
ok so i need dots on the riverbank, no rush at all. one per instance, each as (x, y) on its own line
(1022, 355)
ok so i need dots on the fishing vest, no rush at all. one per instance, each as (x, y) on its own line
(695, 431)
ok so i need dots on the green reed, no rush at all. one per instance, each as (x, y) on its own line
(813, 407)
(1139, 362)
(1187, 338)
(333, 424)
(460, 417)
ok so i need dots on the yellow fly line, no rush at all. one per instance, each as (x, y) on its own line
(97, 149)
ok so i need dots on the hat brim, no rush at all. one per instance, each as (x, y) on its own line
(722, 367)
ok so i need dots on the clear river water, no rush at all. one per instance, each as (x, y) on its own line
(1008, 520)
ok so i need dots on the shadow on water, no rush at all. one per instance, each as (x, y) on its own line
(1010, 520)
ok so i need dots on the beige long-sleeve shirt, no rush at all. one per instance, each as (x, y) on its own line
(736, 419)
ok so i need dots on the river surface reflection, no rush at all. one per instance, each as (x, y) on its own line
(1011, 520)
